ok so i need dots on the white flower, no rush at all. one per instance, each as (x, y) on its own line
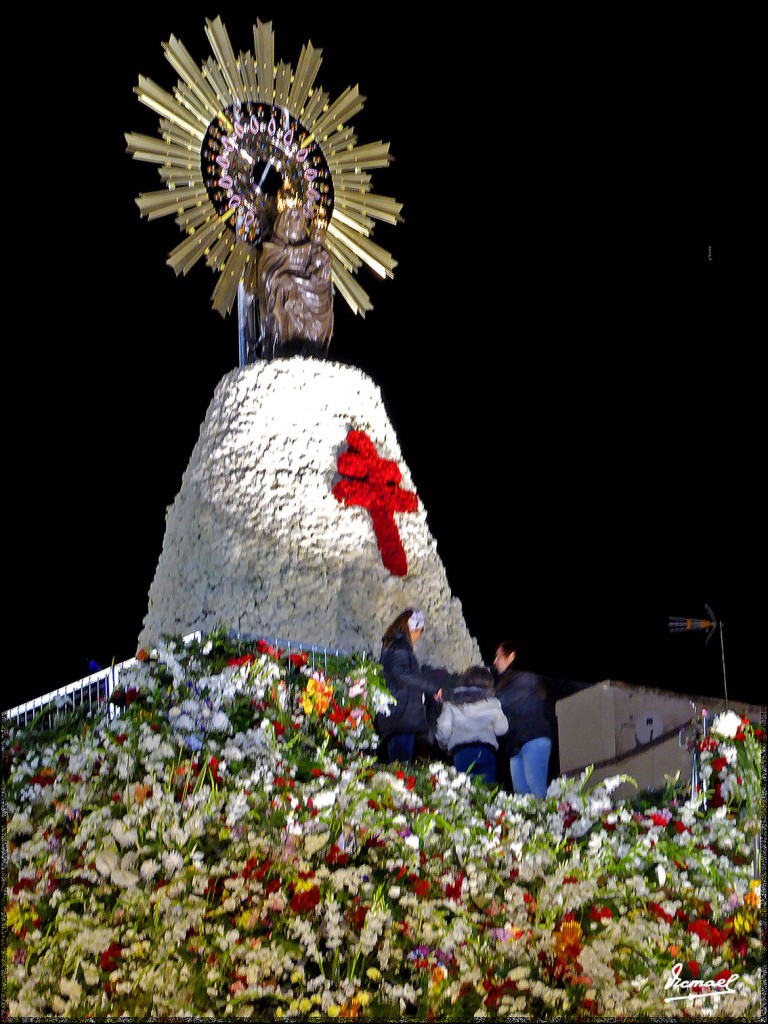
(172, 861)
(325, 799)
(124, 836)
(70, 988)
(313, 843)
(149, 869)
(727, 724)
(106, 862)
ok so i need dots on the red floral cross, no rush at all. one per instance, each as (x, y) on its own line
(374, 483)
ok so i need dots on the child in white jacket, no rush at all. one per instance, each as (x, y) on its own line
(470, 723)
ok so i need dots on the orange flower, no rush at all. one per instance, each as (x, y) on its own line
(567, 939)
(142, 655)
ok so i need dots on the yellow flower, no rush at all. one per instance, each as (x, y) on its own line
(373, 973)
(13, 917)
(333, 1010)
(305, 1005)
(742, 924)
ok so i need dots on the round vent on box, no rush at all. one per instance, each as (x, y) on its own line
(649, 727)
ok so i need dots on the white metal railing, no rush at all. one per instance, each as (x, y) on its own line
(96, 689)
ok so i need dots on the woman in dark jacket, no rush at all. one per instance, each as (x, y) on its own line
(408, 685)
(528, 742)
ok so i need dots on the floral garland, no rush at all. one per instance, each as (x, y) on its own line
(374, 483)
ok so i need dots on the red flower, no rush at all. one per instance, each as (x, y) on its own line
(659, 911)
(707, 933)
(335, 856)
(598, 915)
(693, 968)
(110, 957)
(299, 659)
(264, 648)
(718, 763)
(358, 916)
(246, 659)
(302, 902)
(374, 483)
(420, 886)
(660, 820)
(724, 975)
(453, 889)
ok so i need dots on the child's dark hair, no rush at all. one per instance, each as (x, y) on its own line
(478, 675)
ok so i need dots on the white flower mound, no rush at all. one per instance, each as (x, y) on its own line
(256, 541)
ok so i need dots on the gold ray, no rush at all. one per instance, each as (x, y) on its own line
(377, 258)
(370, 156)
(352, 219)
(188, 252)
(218, 37)
(180, 60)
(219, 252)
(213, 74)
(250, 277)
(317, 100)
(310, 60)
(379, 207)
(232, 273)
(162, 102)
(192, 219)
(153, 150)
(264, 59)
(340, 140)
(179, 136)
(187, 98)
(345, 181)
(168, 201)
(346, 106)
(248, 74)
(282, 84)
(342, 253)
(353, 292)
(176, 176)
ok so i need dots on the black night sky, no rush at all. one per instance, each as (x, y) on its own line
(568, 348)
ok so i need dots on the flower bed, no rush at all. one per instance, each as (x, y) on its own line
(228, 845)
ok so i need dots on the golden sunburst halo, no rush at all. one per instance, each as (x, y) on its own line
(240, 133)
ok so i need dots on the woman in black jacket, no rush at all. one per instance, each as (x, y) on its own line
(528, 742)
(408, 685)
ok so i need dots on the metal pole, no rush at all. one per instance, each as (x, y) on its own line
(722, 656)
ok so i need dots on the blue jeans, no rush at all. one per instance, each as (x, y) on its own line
(400, 747)
(530, 766)
(476, 759)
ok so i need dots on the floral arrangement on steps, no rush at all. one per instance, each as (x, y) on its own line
(227, 845)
